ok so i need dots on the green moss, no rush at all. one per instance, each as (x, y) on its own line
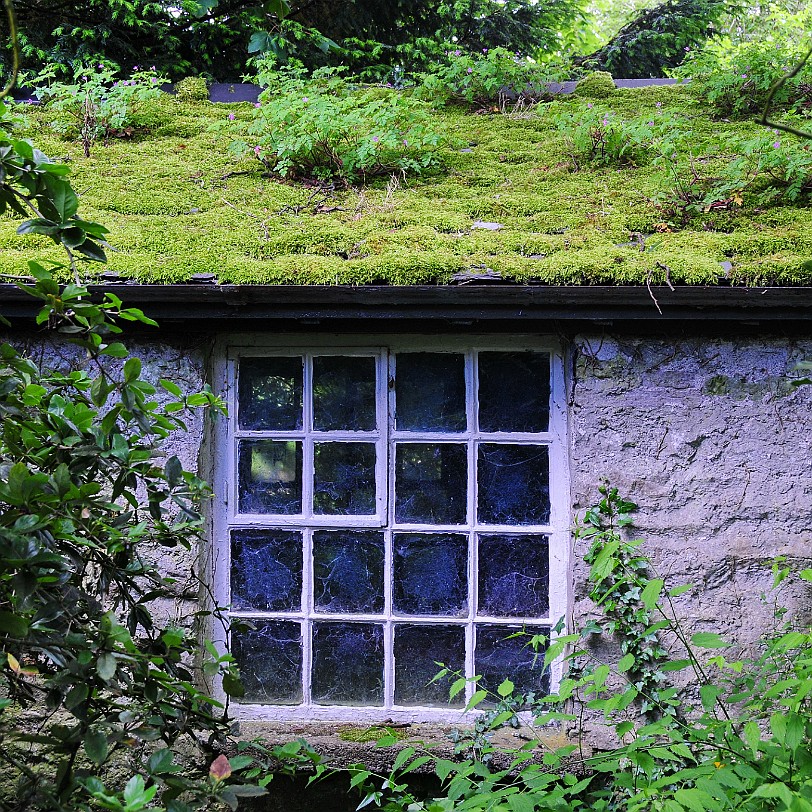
(192, 89)
(178, 203)
(596, 85)
(370, 734)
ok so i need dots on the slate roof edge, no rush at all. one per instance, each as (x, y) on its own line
(208, 307)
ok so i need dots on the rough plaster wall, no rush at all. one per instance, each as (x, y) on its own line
(712, 441)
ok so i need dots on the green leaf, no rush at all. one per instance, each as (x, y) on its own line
(708, 640)
(247, 790)
(132, 369)
(96, 746)
(456, 687)
(13, 625)
(479, 696)
(709, 694)
(521, 803)
(680, 590)
(106, 666)
(752, 735)
(232, 685)
(625, 663)
(651, 594)
(115, 350)
(505, 689)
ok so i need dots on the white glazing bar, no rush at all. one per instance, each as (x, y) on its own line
(307, 450)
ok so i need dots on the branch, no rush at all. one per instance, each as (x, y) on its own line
(773, 90)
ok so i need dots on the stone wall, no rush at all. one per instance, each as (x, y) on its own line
(711, 440)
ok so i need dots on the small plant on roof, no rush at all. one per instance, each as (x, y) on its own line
(596, 85)
(484, 78)
(192, 89)
(97, 104)
(324, 128)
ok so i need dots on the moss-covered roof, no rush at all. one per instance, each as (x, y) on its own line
(177, 203)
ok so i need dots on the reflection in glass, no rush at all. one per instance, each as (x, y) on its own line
(430, 574)
(418, 649)
(347, 664)
(270, 393)
(430, 392)
(513, 484)
(343, 393)
(514, 574)
(270, 661)
(500, 656)
(514, 391)
(348, 571)
(431, 483)
(344, 478)
(266, 569)
(270, 476)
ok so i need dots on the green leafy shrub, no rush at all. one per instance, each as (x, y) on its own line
(325, 128)
(735, 738)
(192, 89)
(482, 78)
(97, 104)
(596, 134)
(734, 81)
(596, 85)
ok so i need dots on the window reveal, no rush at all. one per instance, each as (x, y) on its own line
(391, 509)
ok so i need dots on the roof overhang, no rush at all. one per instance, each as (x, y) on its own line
(208, 308)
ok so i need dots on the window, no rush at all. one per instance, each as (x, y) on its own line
(390, 506)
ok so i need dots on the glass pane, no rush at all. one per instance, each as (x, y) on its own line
(270, 393)
(344, 478)
(270, 661)
(430, 392)
(431, 483)
(430, 573)
(270, 476)
(513, 484)
(514, 575)
(418, 649)
(343, 393)
(514, 391)
(348, 571)
(266, 570)
(347, 664)
(499, 656)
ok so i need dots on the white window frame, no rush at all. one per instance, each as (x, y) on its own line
(225, 515)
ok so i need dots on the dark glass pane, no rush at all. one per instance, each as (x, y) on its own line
(431, 483)
(348, 571)
(343, 393)
(418, 649)
(430, 572)
(347, 664)
(270, 476)
(270, 661)
(430, 392)
(499, 656)
(344, 478)
(514, 574)
(514, 484)
(514, 391)
(270, 393)
(266, 569)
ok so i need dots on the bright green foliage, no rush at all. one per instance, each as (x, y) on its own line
(320, 128)
(597, 134)
(735, 80)
(483, 78)
(97, 105)
(32, 184)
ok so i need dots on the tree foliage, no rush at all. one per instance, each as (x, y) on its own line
(658, 38)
